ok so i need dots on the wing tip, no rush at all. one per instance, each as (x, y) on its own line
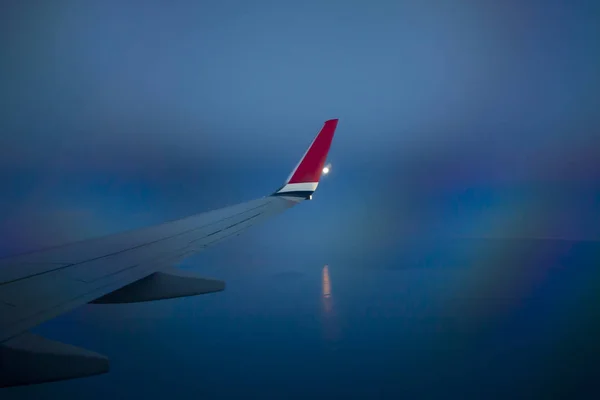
(304, 179)
(331, 124)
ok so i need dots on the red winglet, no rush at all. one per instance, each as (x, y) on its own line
(311, 165)
(304, 179)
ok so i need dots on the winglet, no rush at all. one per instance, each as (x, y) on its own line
(304, 179)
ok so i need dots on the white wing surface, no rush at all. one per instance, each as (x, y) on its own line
(122, 268)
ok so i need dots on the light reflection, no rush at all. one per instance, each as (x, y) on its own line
(329, 322)
(326, 283)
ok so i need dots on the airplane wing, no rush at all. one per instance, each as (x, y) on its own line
(122, 268)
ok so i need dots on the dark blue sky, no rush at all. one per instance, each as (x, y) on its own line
(457, 119)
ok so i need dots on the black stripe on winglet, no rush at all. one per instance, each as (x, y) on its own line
(305, 194)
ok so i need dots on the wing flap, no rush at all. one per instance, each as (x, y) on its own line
(25, 270)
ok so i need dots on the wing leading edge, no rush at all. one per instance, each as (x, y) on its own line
(126, 267)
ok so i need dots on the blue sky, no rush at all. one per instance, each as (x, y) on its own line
(457, 119)
(173, 108)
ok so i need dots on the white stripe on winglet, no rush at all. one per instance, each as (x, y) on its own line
(299, 187)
